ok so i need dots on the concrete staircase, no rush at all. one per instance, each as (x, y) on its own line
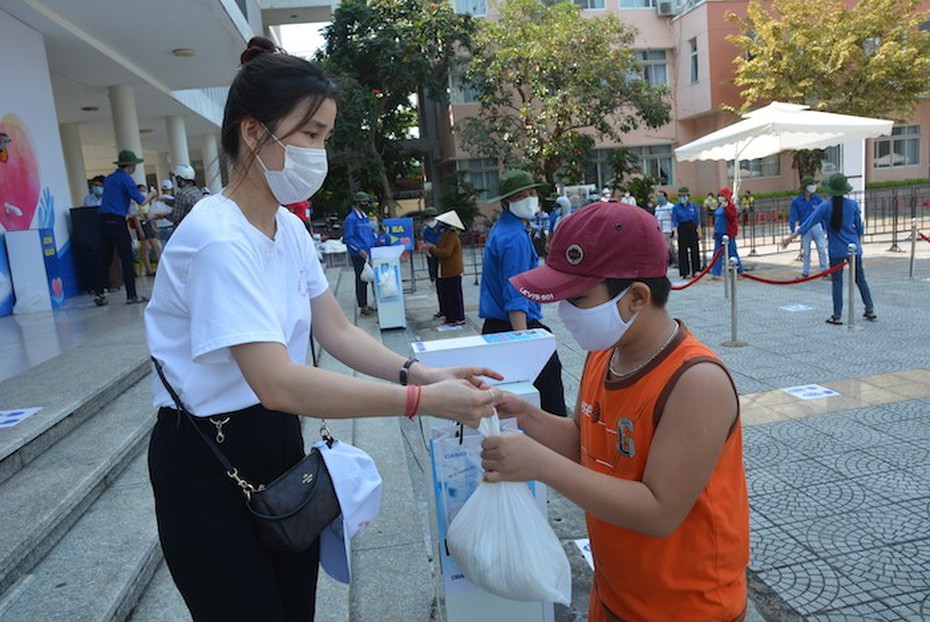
(78, 539)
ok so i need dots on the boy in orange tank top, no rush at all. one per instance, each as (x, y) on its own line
(654, 451)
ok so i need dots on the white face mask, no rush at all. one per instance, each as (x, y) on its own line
(811, 189)
(597, 328)
(303, 173)
(525, 208)
(431, 223)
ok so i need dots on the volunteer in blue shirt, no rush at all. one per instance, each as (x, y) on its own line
(686, 219)
(508, 252)
(844, 227)
(119, 189)
(561, 209)
(359, 239)
(802, 206)
(431, 234)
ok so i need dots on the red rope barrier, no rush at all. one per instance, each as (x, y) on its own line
(835, 268)
(702, 273)
(925, 238)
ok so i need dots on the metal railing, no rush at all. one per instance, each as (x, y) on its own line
(888, 213)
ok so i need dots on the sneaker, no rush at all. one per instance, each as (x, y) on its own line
(136, 300)
(366, 311)
(804, 275)
(870, 315)
(101, 300)
(436, 316)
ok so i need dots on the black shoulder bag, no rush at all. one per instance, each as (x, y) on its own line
(291, 511)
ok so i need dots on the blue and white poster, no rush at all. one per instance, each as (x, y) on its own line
(400, 231)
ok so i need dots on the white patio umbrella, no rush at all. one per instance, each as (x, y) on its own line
(779, 127)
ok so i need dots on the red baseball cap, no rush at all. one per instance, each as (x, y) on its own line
(598, 242)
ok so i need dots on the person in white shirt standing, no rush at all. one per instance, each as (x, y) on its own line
(663, 214)
(234, 301)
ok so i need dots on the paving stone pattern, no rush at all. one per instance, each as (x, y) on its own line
(841, 512)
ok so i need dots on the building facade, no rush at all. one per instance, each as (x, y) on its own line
(683, 44)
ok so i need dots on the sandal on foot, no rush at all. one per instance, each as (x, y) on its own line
(870, 315)
(100, 300)
(136, 300)
(834, 320)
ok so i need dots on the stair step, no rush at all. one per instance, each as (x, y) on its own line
(100, 567)
(70, 388)
(161, 601)
(40, 503)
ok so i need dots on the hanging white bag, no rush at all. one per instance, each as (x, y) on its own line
(503, 543)
(387, 284)
(368, 273)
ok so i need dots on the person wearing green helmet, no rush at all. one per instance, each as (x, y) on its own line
(508, 252)
(430, 235)
(359, 239)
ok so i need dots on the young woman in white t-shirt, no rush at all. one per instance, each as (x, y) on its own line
(237, 291)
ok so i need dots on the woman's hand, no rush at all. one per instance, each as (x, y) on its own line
(512, 457)
(458, 400)
(422, 374)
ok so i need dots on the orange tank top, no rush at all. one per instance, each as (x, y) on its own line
(698, 572)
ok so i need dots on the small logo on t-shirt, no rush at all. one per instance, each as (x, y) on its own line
(625, 444)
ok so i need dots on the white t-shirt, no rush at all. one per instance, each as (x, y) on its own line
(221, 282)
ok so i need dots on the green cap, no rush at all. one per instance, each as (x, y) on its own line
(684, 190)
(808, 180)
(127, 157)
(836, 185)
(361, 196)
(430, 211)
(515, 181)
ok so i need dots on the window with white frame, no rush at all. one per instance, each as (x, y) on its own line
(655, 67)
(637, 4)
(902, 148)
(471, 7)
(460, 91)
(693, 55)
(483, 174)
(654, 161)
(591, 4)
(769, 166)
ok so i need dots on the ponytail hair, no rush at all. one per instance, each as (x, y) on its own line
(836, 216)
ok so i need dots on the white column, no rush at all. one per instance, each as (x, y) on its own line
(177, 140)
(74, 162)
(162, 170)
(126, 125)
(211, 163)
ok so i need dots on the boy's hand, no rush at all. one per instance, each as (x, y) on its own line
(512, 457)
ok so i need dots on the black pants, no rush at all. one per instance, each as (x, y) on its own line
(115, 234)
(432, 264)
(689, 259)
(206, 532)
(549, 381)
(361, 287)
(450, 295)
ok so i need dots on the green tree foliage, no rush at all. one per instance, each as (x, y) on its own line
(871, 59)
(459, 194)
(382, 52)
(550, 82)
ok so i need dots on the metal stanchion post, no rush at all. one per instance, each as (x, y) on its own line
(732, 273)
(474, 258)
(910, 272)
(851, 289)
(752, 232)
(725, 258)
(413, 273)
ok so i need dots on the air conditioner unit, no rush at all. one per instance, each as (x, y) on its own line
(667, 8)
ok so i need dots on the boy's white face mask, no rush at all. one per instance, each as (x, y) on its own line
(597, 328)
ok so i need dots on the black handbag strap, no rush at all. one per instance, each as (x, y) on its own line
(231, 471)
